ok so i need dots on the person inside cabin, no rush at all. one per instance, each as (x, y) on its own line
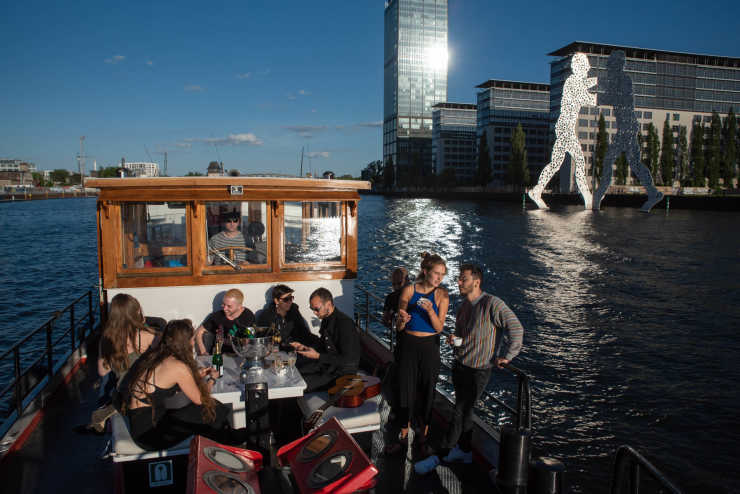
(286, 317)
(487, 334)
(230, 242)
(126, 335)
(232, 315)
(158, 375)
(332, 354)
(422, 309)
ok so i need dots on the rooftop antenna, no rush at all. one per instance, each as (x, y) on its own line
(301, 173)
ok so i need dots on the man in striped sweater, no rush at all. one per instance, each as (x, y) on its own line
(484, 323)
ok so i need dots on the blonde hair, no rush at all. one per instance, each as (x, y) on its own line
(236, 294)
(428, 261)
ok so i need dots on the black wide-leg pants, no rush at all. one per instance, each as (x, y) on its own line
(418, 371)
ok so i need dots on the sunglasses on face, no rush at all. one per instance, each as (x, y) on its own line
(288, 298)
(232, 220)
(316, 309)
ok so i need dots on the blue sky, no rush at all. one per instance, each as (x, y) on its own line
(254, 82)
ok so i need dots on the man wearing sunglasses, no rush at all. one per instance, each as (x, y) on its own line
(286, 317)
(335, 352)
(230, 241)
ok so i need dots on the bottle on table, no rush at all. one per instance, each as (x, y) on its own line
(218, 359)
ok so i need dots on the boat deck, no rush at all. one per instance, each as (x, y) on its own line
(56, 458)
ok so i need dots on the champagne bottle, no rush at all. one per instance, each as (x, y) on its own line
(218, 359)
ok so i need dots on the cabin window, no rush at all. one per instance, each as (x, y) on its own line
(154, 235)
(237, 233)
(312, 232)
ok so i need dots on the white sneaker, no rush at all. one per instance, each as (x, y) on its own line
(423, 467)
(456, 455)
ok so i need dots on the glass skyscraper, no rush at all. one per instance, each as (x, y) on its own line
(415, 79)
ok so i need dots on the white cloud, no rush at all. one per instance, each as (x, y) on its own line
(230, 140)
(263, 72)
(193, 88)
(313, 110)
(245, 75)
(318, 154)
(377, 123)
(115, 59)
(303, 92)
(149, 63)
(306, 130)
(291, 97)
(184, 145)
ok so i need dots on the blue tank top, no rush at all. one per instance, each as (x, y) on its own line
(419, 317)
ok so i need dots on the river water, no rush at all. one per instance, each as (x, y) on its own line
(630, 318)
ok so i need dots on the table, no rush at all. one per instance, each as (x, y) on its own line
(230, 389)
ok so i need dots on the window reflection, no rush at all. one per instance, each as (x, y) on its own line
(312, 232)
(236, 232)
(154, 235)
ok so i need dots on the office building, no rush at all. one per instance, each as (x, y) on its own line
(454, 140)
(502, 105)
(682, 87)
(415, 79)
(16, 172)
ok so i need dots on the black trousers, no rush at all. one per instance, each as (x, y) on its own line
(469, 385)
(317, 376)
(418, 371)
(177, 424)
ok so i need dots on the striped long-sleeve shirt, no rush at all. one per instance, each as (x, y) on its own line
(484, 324)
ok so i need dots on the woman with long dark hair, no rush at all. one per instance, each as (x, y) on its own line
(422, 308)
(125, 336)
(159, 374)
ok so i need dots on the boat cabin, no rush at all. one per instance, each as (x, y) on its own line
(176, 244)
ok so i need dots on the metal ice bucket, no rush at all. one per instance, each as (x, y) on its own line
(253, 350)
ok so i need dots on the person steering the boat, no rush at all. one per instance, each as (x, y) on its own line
(483, 323)
(230, 243)
(422, 308)
(335, 352)
(286, 317)
(232, 314)
(157, 376)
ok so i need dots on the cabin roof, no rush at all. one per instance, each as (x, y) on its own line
(248, 182)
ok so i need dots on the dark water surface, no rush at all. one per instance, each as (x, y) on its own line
(630, 318)
(630, 323)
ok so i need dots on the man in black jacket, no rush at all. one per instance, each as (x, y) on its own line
(335, 352)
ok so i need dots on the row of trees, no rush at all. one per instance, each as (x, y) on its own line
(710, 155)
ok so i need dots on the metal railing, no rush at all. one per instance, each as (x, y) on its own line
(522, 413)
(74, 332)
(627, 473)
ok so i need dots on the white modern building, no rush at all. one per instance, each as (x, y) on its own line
(454, 140)
(142, 169)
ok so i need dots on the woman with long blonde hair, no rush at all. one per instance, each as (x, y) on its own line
(160, 373)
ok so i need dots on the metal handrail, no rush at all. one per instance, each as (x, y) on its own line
(627, 461)
(523, 411)
(75, 339)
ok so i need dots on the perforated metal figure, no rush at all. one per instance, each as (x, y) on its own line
(575, 95)
(619, 95)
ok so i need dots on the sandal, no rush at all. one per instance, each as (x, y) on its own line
(100, 417)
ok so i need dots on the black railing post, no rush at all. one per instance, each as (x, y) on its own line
(49, 359)
(17, 366)
(635, 478)
(72, 324)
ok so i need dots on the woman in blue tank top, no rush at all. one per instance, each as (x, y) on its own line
(422, 307)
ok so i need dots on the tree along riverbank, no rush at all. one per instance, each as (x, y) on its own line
(729, 202)
(39, 195)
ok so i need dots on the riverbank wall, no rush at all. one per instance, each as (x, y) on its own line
(727, 202)
(38, 195)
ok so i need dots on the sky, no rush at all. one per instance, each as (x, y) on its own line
(253, 83)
